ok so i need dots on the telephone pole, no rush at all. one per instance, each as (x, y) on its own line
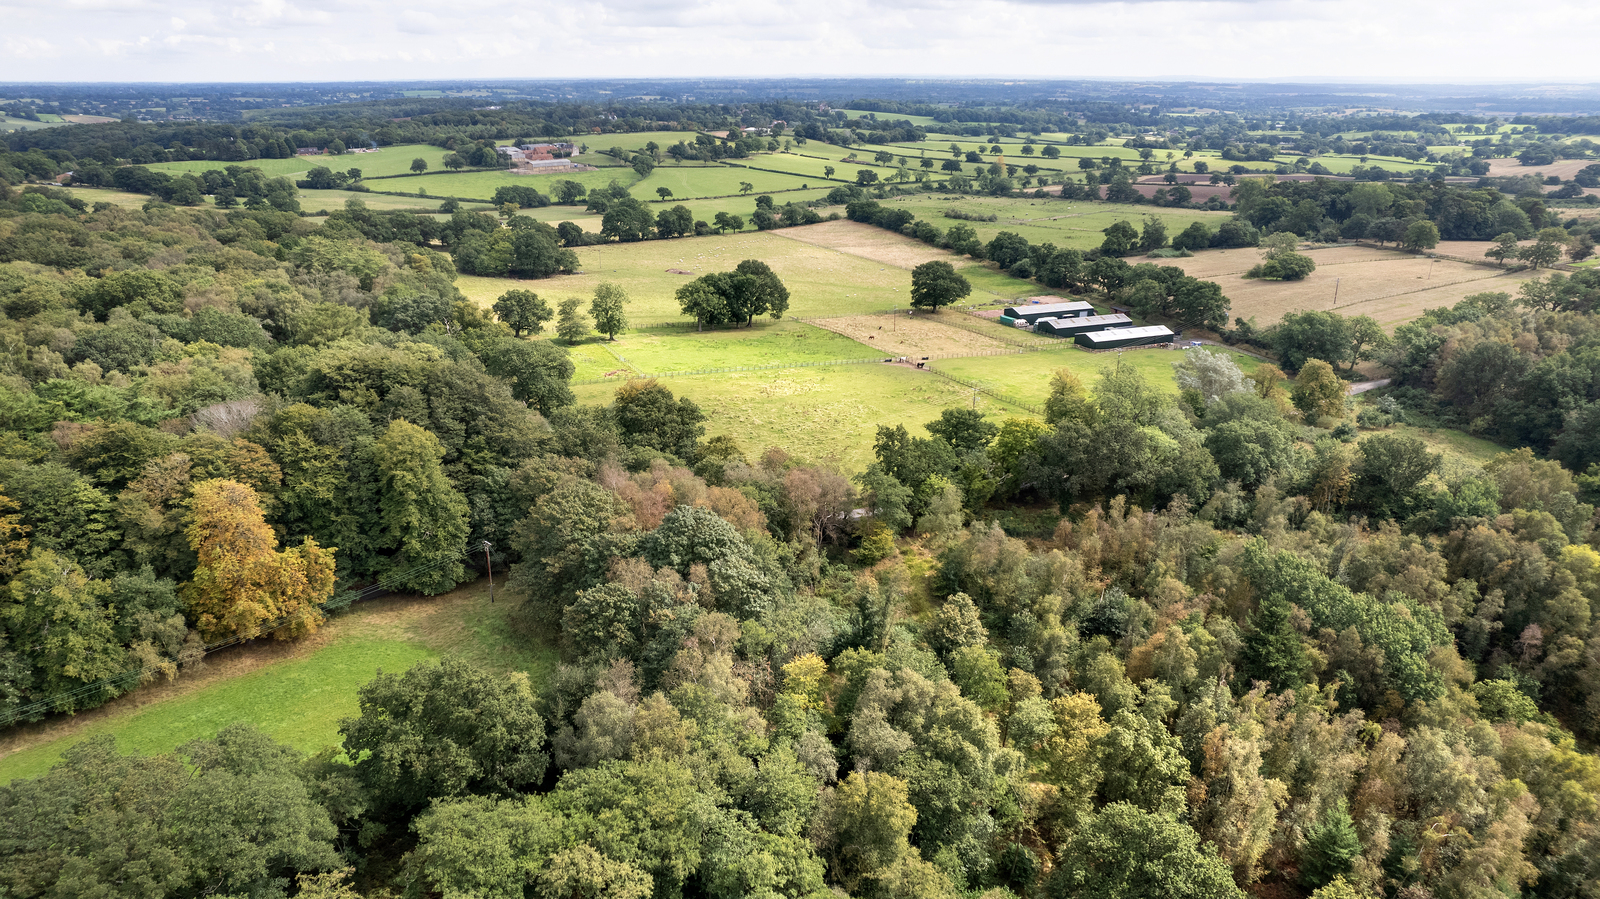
(489, 565)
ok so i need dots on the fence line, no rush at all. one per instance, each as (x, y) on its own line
(987, 391)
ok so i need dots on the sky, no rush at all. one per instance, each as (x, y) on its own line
(334, 40)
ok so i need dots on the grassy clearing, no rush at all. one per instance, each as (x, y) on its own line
(818, 414)
(94, 195)
(297, 692)
(767, 342)
(1027, 377)
(821, 282)
(1389, 285)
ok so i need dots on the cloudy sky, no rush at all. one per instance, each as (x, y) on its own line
(328, 40)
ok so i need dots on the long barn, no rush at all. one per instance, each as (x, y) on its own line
(1071, 327)
(1116, 338)
(1031, 314)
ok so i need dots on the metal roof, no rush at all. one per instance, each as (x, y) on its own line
(1082, 322)
(1113, 334)
(1045, 310)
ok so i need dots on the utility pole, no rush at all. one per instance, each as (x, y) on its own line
(489, 565)
(1336, 292)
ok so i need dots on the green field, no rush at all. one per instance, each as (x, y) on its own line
(685, 182)
(766, 342)
(718, 181)
(818, 413)
(297, 694)
(387, 161)
(1073, 224)
(632, 141)
(920, 121)
(821, 282)
(481, 185)
(1027, 377)
(314, 201)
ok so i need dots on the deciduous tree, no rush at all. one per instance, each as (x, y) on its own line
(242, 581)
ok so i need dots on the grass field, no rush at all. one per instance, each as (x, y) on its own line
(314, 201)
(1075, 224)
(298, 692)
(685, 182)
(766, 342)
(1389, 285)
(482, 185)
(1027, 376)
(715, 181)
(913, 335)
(868, 242)
(387, 161)
(632, 141)
(822, 282)
(820, 413)
(94, 195)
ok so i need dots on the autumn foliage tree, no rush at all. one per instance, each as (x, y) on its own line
(243, 580)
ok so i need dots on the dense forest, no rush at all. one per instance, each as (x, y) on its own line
(1141, 646)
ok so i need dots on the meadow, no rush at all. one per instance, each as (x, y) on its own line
(387, 161)
(822, 282)
(1067, 224)
(819, 414)
(765, 342)
(1027, 376)
(295, 692)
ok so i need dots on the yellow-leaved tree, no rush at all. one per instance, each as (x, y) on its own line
(243, 581)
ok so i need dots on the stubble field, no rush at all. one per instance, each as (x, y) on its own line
(1391, 286)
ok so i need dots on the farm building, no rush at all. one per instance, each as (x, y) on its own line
(1080, 324)
(1115, 338)
(1032, 314)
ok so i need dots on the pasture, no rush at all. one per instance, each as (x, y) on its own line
(764, 342)
(1027, 376)
(819, 414)
(1067, 224)
(295, 692)
(1391, 286)
(685, 182)
(822, 282)
(386, 161)
(899, 334)
(316, 201)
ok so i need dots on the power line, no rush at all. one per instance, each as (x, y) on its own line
(128, 679)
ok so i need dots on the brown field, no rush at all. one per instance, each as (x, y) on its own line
(1562, 168)
(1391, 286)
(868, 242)
(902, 335)
(1200, 192)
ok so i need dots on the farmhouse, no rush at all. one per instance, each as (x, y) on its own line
(1031, 314)
(307, 151)
(1071, 326)
(1115, 338)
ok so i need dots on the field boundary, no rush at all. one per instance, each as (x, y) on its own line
(989, 392)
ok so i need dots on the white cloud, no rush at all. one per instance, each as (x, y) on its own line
(272, 40)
